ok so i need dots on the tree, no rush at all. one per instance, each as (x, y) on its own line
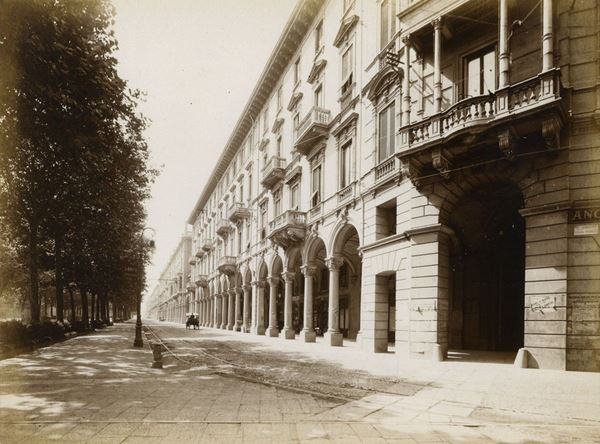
(73, 161)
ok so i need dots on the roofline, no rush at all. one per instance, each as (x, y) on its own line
(290, 39)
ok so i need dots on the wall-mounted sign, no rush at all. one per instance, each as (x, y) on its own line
(423, 306)
(581, 215)
(586, 229)
(539, 303)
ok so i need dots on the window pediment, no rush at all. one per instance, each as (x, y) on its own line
(381, 82)
(296, 97)
(316, 70)
(277, 124)
(345, 27)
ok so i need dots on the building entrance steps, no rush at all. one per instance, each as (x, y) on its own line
(487, 383)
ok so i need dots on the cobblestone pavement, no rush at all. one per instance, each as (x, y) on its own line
(97, 389)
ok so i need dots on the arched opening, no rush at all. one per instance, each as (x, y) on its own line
(262, 307)
(294, 259)
(345, 247)
(247, 302)
(274, 294)
(487, 271)
(320, 283)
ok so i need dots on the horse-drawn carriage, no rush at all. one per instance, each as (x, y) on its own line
(192, 320)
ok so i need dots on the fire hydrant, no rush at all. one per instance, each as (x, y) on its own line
(157, 349)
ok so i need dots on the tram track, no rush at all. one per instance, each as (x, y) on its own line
(298, 376)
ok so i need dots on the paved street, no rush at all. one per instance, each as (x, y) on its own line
(227, 387)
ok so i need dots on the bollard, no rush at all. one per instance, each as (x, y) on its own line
(522, 358)
(157, 349)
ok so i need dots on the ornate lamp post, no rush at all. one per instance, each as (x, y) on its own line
(149, 239)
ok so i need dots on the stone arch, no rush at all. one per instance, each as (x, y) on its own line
(292, 258)
(312, 246)
(262, 270)
(275, 265)
(342, 231)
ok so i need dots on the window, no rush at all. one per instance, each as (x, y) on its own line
(481, 72)
(319, 96)
(387, 132)
(319, 36)
(347, 70)
(241, 189)
(279, 145)
(385, 219)
(239, 240)
(316, 186)
(296, 123)
(295, 196)
(263, 221)
(265, 119)
(276, 203)
(249, 187)
(297, 71)
(388, 21)
(345, 165)
(279, 99)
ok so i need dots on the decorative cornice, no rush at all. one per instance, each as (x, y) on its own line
(277, 124)
(290, 40)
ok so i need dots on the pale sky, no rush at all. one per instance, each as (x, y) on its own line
(198, 61)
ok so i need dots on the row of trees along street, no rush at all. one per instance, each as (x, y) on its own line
(74, 169)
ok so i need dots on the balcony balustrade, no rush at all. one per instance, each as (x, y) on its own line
(238, 212)
(227, 264)
(223, 227)
(313, 128)
(346, 193)
(273, 172)
(533, 108)
(207, 244)
(288, 228)
(386, 169)
(201, 280)
(190, 287)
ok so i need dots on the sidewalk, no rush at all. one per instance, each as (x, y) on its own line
(98, 389)
(452, 391)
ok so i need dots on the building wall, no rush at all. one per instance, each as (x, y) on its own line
(425, 180)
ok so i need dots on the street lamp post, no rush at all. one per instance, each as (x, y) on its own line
(138, 342)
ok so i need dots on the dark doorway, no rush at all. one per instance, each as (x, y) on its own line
(487, 271)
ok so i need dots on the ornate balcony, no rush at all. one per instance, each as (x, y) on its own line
(190, 287)
(201, 280)
(227, 265)
(207, 244)
(273, 172)
(453, 138)
(386, 170)
(238, 211)
(223, 227)
(313, 128)
(288, 228)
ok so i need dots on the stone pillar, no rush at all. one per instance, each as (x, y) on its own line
(246, 316)
(288, 329)
(308, 331)
(216, 311)
(333, 336)
(406, 82)
(547, 37)
(437, 63)
(224, 310)
(273, 331)
(238, 309)
(503, 56)
(231, 306)
(258, 318)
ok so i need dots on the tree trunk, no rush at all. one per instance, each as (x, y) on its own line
(58, 278)
(93, 317)
(97, 307)
(72, 301)
(34, 288)
(84, 307)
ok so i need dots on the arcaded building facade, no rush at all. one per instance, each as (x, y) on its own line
(418, 176)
